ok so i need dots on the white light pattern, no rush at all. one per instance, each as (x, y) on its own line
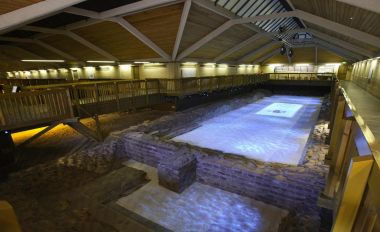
(262, 137)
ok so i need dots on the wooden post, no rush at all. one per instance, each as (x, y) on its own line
(69, 102)
(353, 191)
(76, 100)
(116, 88)
(131, 85)
(335, 140)
(97, 97)
(146, 93)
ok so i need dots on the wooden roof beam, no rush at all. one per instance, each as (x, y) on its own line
(28, 14)
(251, 40)
(129, 27)
(181, 28)
(255, 52)
(136, 7)
(26, 52)
(121, 10)
(341, 29)
(338, 50)
(110, 16)
(341, 43)
(238, 46)
(225, 26)
(322, 22)
(229, 15)
(73, 36)
(42, 44)
(266, 56)
(371, 5)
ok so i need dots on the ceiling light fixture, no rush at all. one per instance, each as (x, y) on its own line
(141, 62)
(44, 61)
(101, 61)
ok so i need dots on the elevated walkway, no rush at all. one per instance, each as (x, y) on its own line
(351, 189)
(366, 105)
(301, 79)
(61, 103)
(57, 103)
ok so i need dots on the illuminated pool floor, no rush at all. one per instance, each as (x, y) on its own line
(199, 208)
(274, 129)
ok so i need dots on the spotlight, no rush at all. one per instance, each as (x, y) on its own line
(283, 50)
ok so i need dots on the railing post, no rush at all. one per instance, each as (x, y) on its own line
(116, 89)
(158, 86)
(131, 85)
(76, 100)
(146, 92)
(97, 97)
(69, 102)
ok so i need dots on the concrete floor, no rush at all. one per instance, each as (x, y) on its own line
(199, 208)
(274, 129)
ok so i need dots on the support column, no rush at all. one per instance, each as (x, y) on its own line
(316, 56)
(7, 150)
(353, 191)
(174, 70)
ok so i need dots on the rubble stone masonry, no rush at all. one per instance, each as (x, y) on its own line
(295, 188)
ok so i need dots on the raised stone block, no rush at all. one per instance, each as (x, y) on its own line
(177, 173)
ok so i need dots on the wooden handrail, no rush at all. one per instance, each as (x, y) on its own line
(34, 107)
(43, 104)
(302, 76)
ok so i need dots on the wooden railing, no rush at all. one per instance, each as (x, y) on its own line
(44, 103)
(111, 90)
(353, 182)
(34, 107)
(302, 76)
(185, 86)
(50, 81)
(30, 82)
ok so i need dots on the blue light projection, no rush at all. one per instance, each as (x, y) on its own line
(274, 129)
(199, 208)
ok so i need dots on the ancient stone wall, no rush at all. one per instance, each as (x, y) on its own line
(295, 188)
(286, 186)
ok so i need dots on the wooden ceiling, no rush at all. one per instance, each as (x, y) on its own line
(11, 5)
(343, 37)
(72, 47)
(228, 39)
(37, 49)
(342, 13)
(263, 52)
(251, 47)
(161, 24)
(116, 40)
(200, 22)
